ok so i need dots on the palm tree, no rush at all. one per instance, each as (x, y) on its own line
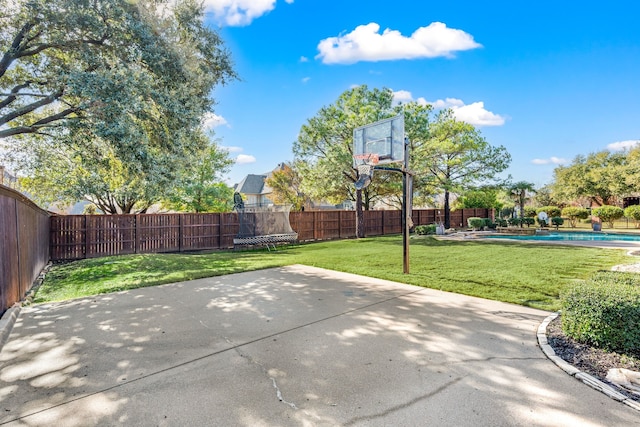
(520, 192)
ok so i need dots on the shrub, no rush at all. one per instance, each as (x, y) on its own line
(529, 221)
(475, 223)
(506, 212)
(633, 212)
(487, 223)
(557, 221)
(550, 210)
(530, 212)
(604, 311)
(514, 221)
(501, 222)
(574, 213)
(608, 214)
(541, 222)
(425, 229)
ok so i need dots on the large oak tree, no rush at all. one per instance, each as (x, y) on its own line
(106, 86)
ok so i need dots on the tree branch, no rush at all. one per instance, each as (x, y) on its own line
(14, 94)
(31, 107)
(37, 126)
(11, 54)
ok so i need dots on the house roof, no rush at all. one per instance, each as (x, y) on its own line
(255, 184)
(252, 184)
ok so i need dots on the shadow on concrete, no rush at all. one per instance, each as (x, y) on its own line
(288, 346)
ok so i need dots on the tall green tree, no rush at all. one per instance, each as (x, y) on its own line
(599, 177)
(324, 149)
(456, 157)
(199, 187)
(520, 192)
(487, 197)
(544, 197)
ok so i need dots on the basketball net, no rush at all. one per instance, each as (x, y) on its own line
(365, 165)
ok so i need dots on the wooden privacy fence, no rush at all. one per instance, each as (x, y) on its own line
(24, 245)
(92, 236)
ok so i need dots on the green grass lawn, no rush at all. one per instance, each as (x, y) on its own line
(520, 273)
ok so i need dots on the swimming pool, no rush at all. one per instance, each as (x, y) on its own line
(571, 236)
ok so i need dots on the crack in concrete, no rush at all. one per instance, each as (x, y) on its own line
(279, 394)
(264, 371)
(206, 356)
(403, 405)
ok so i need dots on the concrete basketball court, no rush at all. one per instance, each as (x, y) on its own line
(293, 346)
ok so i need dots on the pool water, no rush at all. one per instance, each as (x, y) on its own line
(579, 236)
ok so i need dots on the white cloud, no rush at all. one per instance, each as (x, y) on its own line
(550, 161)
(623, 145)
(212, 120)
(304, 59)
(474, 113)
(306, 79)
(402, 96)
(244, 159)
(239, 12)
(365, 43)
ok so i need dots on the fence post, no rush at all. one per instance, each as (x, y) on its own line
(136, 239)
(383, 223)
(315, 225)
(86, 236)
(220, 227)
(180, 232)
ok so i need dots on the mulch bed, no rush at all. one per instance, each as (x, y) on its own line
(591, 360)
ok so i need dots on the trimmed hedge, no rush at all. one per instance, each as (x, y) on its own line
(608, 213)
(425, 229)
(557, 221)
(604, 311)
(633, 212)
(574, 214)
(475, 223)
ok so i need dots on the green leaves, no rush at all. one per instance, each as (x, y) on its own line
(324, 151)
(596, 178)
(114, 90)
(106, 61)
(199, 188)
(604, 311)
(457, 157)
(608, 213)
(286, 184)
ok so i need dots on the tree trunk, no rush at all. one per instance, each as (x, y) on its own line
(447, 211)
(359, 215)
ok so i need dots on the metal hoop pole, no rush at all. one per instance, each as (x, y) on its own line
(406, 197)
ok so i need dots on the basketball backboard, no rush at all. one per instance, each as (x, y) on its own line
(381, 142)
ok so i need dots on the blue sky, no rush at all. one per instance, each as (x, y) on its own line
(548, 80)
